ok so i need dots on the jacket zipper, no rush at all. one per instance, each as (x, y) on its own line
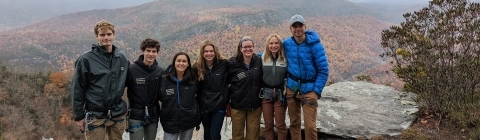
(109, 87)
(300, 67)
(273, 69)
(211, 86)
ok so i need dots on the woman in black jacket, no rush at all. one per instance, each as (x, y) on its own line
(179, 112)
(212, 95)
(245, 79)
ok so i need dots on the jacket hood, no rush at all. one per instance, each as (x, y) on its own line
(312, 37)
(101, 50)
(169, 72)
(140, 62)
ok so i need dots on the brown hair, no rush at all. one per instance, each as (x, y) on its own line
(103, 24)
(150, 43)
(188, 75)
(200, 64)
(239, 56)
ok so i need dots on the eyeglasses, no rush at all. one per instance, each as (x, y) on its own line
(247, 47)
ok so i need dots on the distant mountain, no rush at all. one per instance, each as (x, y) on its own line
(350, 33)
(393, 11)
(16, 13)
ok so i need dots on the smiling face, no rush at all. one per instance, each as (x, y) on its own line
(208, 53)
(181, 63)
(247, 48)
(298, 29)
(274, 45)
(149, 55)
(105, 37)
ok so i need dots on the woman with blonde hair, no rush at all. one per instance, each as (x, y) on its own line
(273, 100)
(212, 97)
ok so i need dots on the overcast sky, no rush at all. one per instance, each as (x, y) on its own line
(398, 1)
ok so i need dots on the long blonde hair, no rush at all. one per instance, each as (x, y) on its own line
(200, 64)
(267, 54)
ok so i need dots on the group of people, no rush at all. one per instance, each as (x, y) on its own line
(291, 73)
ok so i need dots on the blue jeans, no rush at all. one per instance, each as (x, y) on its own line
(212, 124)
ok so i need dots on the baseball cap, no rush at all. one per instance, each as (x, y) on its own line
(297, 18)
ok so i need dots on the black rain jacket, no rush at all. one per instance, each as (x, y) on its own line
(99, 82)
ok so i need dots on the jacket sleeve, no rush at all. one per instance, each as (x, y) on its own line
(321, 64)
(79, 86)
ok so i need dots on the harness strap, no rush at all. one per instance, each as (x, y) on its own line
(141, 106)
(98, 109)
(294, 78)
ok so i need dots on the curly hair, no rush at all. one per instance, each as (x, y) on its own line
(103, 24)
(150, 43)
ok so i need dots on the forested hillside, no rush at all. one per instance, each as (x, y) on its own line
(349, 33)
(35, 105)
(17, 13)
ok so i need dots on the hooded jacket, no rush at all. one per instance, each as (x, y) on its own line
(179, 110)
(99, 82)
(245, 83)
(143, 83)
(307, 64)
(213, 90)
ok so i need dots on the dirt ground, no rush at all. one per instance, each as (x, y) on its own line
(440, 131)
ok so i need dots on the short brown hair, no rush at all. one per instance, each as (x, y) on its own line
(103, 24)
(150, 43)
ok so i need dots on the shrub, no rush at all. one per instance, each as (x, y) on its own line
(436, 52)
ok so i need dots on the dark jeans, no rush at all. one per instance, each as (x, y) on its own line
(212, 124)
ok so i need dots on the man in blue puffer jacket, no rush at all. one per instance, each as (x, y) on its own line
(307, 76)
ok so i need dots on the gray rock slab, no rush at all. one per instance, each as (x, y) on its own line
(362, 109)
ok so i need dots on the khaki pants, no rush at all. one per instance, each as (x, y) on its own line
(309, 114)
(273, 109)
(252, 120)
(113, 128)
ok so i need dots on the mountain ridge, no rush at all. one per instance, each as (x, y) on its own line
(346, 30)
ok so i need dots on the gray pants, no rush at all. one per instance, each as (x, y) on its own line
(139, 132)
(184, 135)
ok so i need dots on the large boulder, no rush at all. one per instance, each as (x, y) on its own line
(362, 109)
(352, 110)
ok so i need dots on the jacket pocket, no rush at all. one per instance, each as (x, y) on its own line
(187, 96)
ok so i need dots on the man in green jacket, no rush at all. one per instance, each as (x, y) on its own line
(98, 85)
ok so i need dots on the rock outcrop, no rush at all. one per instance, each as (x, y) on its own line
(353, 110)
(362, 109)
